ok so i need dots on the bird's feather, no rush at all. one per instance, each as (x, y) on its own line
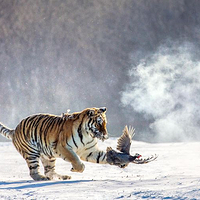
(124, 142)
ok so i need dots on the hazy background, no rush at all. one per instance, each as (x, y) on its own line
(140, 59)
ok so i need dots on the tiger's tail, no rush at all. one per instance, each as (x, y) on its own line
(6, 132)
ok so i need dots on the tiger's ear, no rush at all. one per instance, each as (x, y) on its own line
(102, 110)
(90, 112)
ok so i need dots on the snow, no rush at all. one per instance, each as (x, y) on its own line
(174, 175)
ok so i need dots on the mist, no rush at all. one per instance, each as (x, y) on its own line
(60, 55)
(165, 87)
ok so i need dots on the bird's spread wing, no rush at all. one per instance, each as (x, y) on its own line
(124, 142)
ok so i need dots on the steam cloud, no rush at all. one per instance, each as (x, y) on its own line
(166, 87)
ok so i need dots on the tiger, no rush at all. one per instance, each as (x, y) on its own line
(72, 137)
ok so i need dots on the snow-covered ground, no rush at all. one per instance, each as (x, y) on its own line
(174, 175)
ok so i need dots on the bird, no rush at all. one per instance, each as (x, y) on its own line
(123, 157)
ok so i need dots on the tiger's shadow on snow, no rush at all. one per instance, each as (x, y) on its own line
(34, 184)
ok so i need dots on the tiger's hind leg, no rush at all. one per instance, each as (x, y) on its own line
(49, 169)
(33, 164)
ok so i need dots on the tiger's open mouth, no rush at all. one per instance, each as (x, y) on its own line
(96, 133)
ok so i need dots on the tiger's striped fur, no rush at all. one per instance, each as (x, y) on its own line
(73, 137)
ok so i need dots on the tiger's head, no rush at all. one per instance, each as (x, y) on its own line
(96, 123)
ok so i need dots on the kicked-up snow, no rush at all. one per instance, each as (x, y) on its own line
(175, 174)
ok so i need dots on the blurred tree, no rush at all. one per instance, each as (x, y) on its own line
(57, 54)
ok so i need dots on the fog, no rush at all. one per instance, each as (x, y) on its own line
(140, 59)
(166, 87)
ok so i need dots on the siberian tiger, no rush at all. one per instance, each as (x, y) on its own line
(72, 137)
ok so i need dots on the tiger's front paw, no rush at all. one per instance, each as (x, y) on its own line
(78, 168)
